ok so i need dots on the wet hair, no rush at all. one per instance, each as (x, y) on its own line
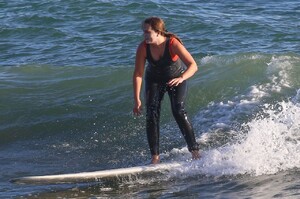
(158, 25)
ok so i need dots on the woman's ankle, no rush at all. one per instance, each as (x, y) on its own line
(195, 155)
(155, 159)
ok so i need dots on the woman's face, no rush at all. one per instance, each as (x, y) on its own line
(149, 34)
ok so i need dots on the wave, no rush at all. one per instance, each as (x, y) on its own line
(255, 130)
(38, 101)
(236, 102)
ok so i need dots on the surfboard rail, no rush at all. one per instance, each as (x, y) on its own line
(95, 176)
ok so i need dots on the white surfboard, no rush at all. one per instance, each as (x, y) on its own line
(96, 176)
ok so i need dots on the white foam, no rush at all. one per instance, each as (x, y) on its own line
(278, 71)
(271, 145)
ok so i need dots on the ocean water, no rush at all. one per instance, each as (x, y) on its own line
(66, 98)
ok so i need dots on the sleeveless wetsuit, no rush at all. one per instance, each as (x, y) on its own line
(158, 73)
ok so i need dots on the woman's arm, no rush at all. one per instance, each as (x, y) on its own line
(187, 59)
(140, 61)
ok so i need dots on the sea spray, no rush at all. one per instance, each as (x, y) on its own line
(271, 144)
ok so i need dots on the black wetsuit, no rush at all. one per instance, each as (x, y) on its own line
(158, 73)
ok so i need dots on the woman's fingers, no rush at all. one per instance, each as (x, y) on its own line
(175, 81)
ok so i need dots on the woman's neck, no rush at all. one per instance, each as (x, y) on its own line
(160, 41)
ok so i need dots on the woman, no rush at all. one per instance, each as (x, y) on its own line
(164, 53)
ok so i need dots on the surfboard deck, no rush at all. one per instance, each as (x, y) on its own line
(96, 176)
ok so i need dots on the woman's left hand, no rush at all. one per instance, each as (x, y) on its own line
(175, 81)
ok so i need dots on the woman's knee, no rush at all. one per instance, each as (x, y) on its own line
(153, 112)
(178, 110)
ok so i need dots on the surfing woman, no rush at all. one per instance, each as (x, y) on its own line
(165, 72)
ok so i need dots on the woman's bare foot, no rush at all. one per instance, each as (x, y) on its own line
(155, 159)
(195, 155)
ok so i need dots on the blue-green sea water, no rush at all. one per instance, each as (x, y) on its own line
(66, 98)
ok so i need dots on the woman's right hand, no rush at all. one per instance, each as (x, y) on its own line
(137, 109)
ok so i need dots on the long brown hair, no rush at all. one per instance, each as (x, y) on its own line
(158, 25)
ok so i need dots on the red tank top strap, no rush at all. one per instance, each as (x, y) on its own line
(173, 56)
